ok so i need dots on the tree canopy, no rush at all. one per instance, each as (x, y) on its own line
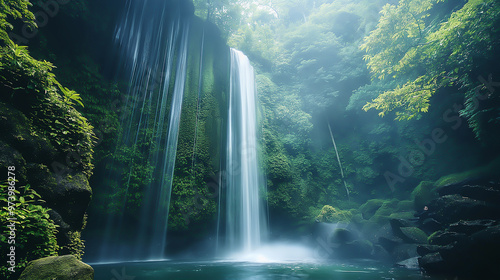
(427, 52)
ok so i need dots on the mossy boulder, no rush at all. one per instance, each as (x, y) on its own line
(388, 208)
(71, 197)
(405, 205)
(423, 194)
(342, 236)
(453, 208)
(443, 238)
(413, 235)
(370, 207)
(330, 214)
(489, 170)
(402, 215)
(61, 268)
(377, 213)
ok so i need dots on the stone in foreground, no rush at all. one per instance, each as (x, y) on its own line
(66, 267)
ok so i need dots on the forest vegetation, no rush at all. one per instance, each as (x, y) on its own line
(366, 106)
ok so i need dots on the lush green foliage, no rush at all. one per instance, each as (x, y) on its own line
(35, 232)
(11, 10)
(310, 63)
(31, 83)
(428, 52)
(225, 14)
(76, 246)
(54, 135)
(312, 51)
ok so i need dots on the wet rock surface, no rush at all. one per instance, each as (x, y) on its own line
(469, 242)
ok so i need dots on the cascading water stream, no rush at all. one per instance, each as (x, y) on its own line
(156, 57)
(245, 219)
(153, 45)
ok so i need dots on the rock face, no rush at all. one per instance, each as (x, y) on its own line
(60, 268)
(468, 244)
(40, 163)
(455, 233)
(453, 208)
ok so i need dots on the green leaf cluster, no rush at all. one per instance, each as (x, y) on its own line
(76, 245)
(12, 10)
(35, 232)
(32, 87)
(427, 52)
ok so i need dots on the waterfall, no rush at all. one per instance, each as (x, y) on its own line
(153, 48)
(175, 132)
(245, 221)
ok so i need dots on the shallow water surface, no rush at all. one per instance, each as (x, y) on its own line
(227, 270)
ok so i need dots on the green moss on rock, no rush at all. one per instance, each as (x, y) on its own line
(370, 207)
(489, 170)
(402, 215)
(61, 268)
(414, 235)
(329, 214)
(423, 194)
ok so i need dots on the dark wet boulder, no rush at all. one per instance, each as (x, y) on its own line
(434, 264)
(389, 244)
(484, 193)
(458, 254)
(491, 233)
(443, 238)
(470, 227)
(69, 195)
(453, 208)
(63, 229)
(61, 268)
(72, 197)
(342, 236)
(449, 189)
(423, 250)
(430, 225)
(488, 192)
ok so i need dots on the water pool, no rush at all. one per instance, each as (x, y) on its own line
(229, 270)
